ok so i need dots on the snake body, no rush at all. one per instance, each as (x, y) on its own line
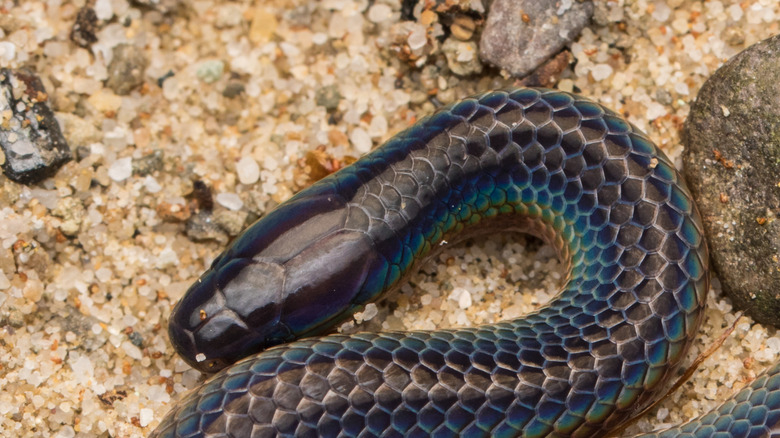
(539, 161)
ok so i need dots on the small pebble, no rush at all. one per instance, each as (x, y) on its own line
(7, 51)
(210, 71)
(233, 222)
(463, 27)
(121, 169)
(145, 416)
(328, 97)
(126, 70)
(85, 27)
(378, 126)
(202, 227)
(360, 139)
(601, 71)
(233, 89)
(152, 185)
(417, 38)
(370, 311)
(104, 10)
(149, 163)
(263, 26)
(379, 12)
(4, 283)
(230, 201)
(248, 170)
(462, 57)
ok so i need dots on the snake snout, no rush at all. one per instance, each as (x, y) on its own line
(217, 312)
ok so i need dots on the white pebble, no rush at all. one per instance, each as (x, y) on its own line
(360, 140)
(43, 34)
(103, 9)
(270, 164)
(5, 407)
(564, 6)
(151, 184)
(104, 275)
(96, 328)
(248, 170)
(464, 301)
(289, 50)
(661, 12)
(131, 350)
(417, 38)
(319, 38)
(655, 110)
(462, 296)
(146, 416)
(601, 71)
(680, 25)
(714, 8)
(230, 201)
(121, 169)
(773, 345)
(98, 148)
(83, 369)
(370, 311)
(379, 12)
(65, 432)
(7, 51)
(337, 27)
(47, 198)
(167, 257)
(735, 11)
(378, 126)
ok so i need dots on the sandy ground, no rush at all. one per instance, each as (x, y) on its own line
(239, 96)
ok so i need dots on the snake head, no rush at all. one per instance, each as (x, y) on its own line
(217, 321)
(294, 273)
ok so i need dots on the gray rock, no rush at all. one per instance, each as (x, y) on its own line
(732, 163)
(233, 89)
(233, 222)
(521, 34)
(31, 140)
(328, 97)
(202, 227)
(148, 164)
(126, 70)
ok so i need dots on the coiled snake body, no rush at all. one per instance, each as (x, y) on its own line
(538, 161)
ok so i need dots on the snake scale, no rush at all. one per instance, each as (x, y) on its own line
(537, 161)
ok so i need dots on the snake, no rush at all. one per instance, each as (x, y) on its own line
(537, 161)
